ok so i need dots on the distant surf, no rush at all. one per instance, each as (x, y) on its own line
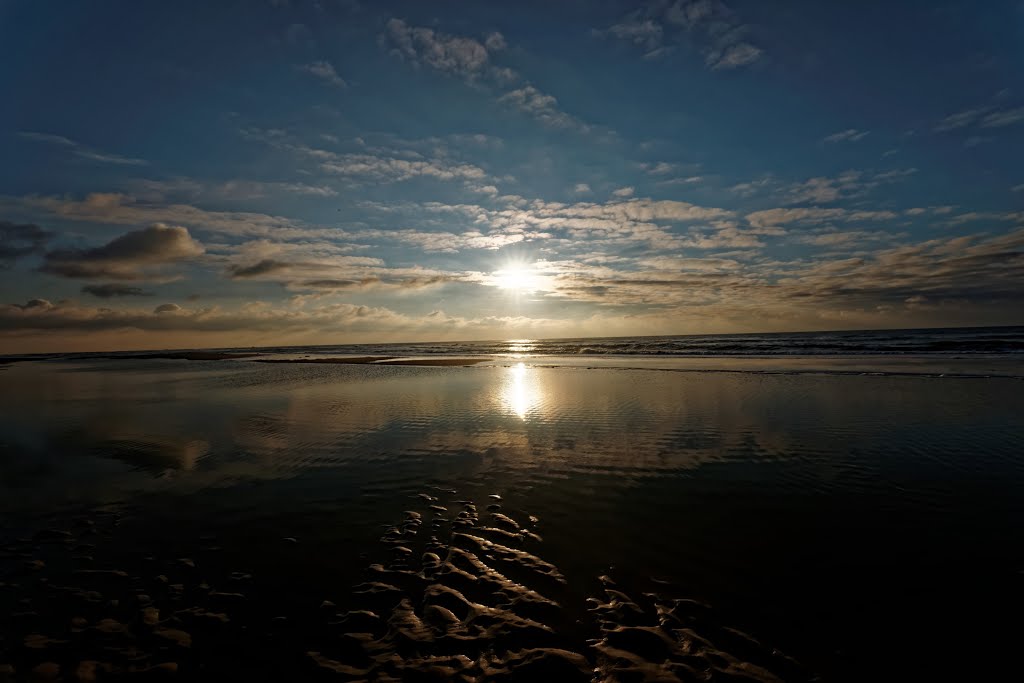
(937, 342)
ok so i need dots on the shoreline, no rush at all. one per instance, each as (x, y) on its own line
(932, 366)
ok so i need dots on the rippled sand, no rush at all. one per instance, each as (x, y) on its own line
(458, 591)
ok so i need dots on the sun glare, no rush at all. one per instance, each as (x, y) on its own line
(517, 278)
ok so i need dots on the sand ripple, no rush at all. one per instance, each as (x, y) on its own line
(469, 598)
(450, 593)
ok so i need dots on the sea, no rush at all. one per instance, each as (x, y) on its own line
(943, 342)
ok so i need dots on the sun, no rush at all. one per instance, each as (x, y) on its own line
(519, 278)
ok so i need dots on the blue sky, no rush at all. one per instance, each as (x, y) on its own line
(246, 173)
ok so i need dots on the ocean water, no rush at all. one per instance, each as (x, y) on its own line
(939, 342)
(519, 518)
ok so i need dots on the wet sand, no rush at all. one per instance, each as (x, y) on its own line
(382, 360)
(239, 520)
(454, 590)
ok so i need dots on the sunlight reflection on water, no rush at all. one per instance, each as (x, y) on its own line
(521, 393)
(520, 347)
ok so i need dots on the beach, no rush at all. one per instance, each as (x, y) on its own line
(508, 516)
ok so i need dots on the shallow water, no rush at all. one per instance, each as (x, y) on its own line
(867, 526)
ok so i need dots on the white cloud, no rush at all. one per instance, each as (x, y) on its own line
(985, 116)
(233, 190)
(961, 119)
(733, 56)
(325, 72)
(690, 180)
(623, 192)
(390, 169)
(82, 151)
(495, 42)
(643, 32)
(848, 135)
(456, 55)
(659, 168)
(542, 107)
(657, 27)
(775, 217)
(1002, 118)
(469, 59)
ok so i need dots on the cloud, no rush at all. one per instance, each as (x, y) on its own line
(449, 242)
(284, 262)
(848, 135)
(455, 55)
(689, 180)
(469, 59)
(623, 192)
(376, 283)
(825, 189)
(960, 119)
(542, 107)
(645, 33)
(495, 42)
(838, 238)
(325, 72)
(583, 188)
(957, 269)
(232, 190)
(82, 151)
(323, 266)
(754, 186)
(967, 278)
(132, 256)
(34, 304)
(18, 240)
(1006, 117)
(381, 163)
(657, 27)
(776, 217)
(390, 169)
(985, 116)
(733, 55)
(660, 168)
(264, 267)
(111, 208)
(114, 289)
(41, 317)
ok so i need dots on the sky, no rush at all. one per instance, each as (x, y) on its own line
(220, 174)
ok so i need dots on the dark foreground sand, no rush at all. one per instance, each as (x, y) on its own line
(456, 590)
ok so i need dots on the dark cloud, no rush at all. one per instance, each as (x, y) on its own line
(264, 267)
(128, 257)
(107, 291)
(42, 316)
(34, 304)
(338, 284)
(385, 283)
(17, 240)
